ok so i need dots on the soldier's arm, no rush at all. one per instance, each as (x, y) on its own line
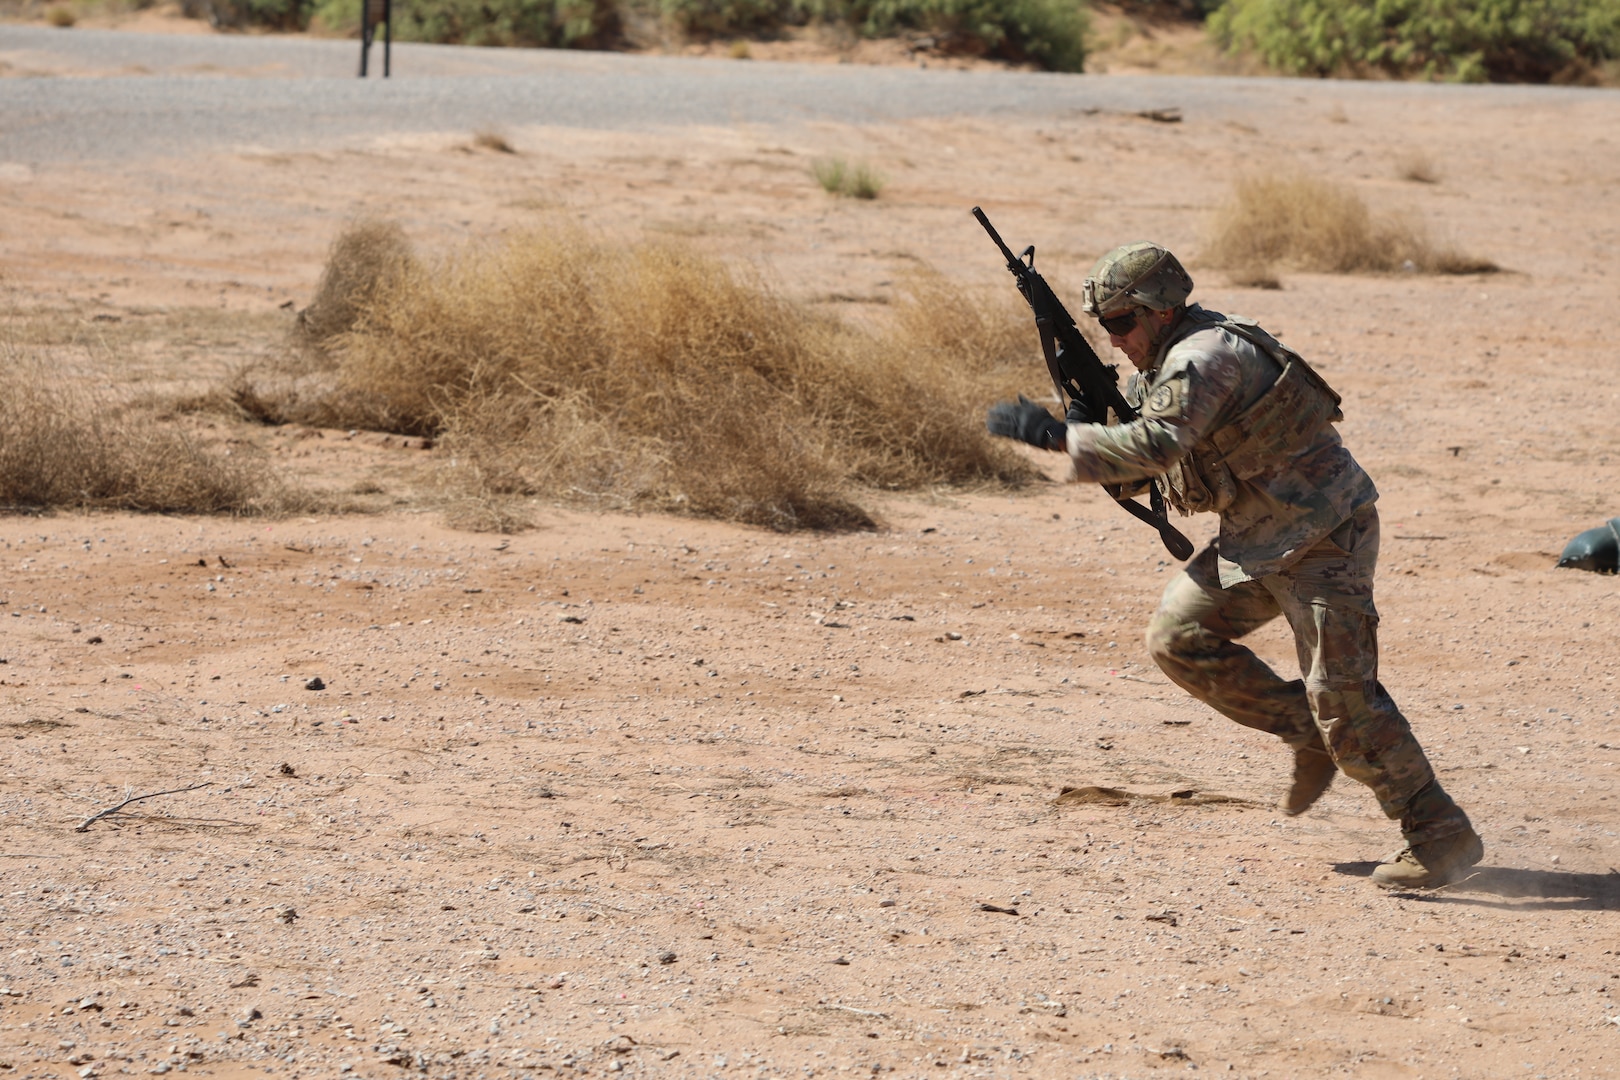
(1178, 411)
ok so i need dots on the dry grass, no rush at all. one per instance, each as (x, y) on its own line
(1318, 225)
(369, 259)
(648, 375)
(1417, 167)
(1255, 277)
(494, 140)
(1449, 261)
(63, 445)
(366, 259)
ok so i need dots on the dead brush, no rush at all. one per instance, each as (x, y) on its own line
(553, 364)
(63, 445)
(493, 140)
(1417, 167)
(946, 352)
(1317, 225)
(365, 259)
(298, 383)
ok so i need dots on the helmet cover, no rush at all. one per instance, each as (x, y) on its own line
(1135, 275)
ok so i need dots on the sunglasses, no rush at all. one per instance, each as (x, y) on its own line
(1119, 325)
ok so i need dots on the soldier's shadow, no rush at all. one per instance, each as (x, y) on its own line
(1519, 890)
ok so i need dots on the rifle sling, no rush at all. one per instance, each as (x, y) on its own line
(1049, 350)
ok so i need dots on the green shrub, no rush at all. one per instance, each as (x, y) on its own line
(1049, 33)
(727, 18)
(236, 14)
(1455, 40)
(571, 24)
(866, 183)
(838, 177)
(1168, 9)
(830, 173)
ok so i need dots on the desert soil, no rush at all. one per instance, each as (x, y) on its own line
(631, 793)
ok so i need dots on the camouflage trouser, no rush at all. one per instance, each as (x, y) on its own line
(1327, 599)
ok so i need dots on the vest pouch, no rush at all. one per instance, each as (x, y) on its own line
(1198, 485)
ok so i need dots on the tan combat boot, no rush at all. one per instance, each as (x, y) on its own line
(1313, 772)
(1427, 865)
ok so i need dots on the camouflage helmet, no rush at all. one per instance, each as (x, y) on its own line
(1136, 275)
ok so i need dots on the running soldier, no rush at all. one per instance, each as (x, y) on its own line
(1236, 423)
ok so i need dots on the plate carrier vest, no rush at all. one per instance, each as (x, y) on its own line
(1283, 422)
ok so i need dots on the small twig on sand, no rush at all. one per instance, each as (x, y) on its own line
(857, 1012)
(93, 818)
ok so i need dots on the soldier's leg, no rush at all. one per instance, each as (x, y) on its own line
(1191, 638)
(1327, 598)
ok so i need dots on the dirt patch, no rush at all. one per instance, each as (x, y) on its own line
(1092, 795)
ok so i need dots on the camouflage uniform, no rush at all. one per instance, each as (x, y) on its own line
(1298, 537)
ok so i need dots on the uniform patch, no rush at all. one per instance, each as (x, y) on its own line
(1162, 401)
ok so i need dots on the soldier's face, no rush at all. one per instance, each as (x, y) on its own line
(1137, 343)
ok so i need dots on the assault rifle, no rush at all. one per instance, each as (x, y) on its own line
(1080, 375)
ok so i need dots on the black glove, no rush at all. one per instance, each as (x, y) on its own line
(1023, 419)
(1078, 413)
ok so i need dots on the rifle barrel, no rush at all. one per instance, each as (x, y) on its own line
(1014, 263)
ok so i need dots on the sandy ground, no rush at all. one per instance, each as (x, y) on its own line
(660, 796)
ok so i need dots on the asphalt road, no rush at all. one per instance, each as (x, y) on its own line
(117, 96)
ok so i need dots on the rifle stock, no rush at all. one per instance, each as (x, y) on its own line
(1079, 374)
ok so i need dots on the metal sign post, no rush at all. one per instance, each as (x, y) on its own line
(373, 12)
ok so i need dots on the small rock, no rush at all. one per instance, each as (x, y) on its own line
(666, 958)
(315, 684)
(287, 915)
(842, 961)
